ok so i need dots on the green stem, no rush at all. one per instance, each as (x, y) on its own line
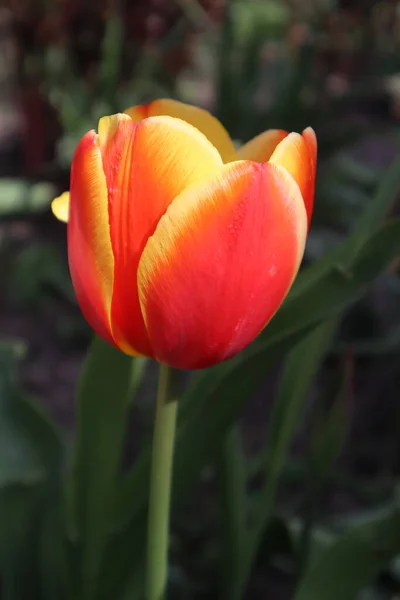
(160, 484)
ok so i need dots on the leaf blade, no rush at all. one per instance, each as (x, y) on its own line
(354, 560)
(102, 403)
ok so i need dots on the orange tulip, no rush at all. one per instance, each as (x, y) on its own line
(181, 248)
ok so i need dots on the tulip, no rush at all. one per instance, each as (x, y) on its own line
(180, 247)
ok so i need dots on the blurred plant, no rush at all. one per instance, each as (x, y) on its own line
(73, 526)
(108, 527)
(18, 197)
(94, 58)
(38, 268)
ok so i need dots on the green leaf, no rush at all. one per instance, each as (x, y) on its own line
(343, 255)
(102, 402)
(30, 445)
(215, 399)
(138, 374)
(31, 455)
(20, 508)
(369, 221)
(299, 372)
(124, 562)
(331, 424)
(327, 437)
(231, 479)
(36, 269)
(347, 168)
(54, 573)
(340, 285)
(321, 538)
(354, 560)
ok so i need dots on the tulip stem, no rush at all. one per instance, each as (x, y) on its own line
(160, 484)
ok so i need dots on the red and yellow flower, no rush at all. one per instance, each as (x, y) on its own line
(182, 248)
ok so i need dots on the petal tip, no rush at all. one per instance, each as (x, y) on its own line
(107, 127)
(60, 207)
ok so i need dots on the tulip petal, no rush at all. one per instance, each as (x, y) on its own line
(311, 140)
(261, 147)
(298, 155)
(146, 165)
(220, 262)
(89, 247)
(198, 117)
(60, 207)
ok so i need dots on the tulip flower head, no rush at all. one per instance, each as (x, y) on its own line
(181, 248)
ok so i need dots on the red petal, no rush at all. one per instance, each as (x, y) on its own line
(220, 263)
(146, 165)
(298, 154)
(89, 247)
(205, 122)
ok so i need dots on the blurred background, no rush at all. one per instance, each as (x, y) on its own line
(256, 64)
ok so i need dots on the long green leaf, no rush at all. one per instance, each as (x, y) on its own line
(354, 560)
(299, 372)
(372, 217)
(231, 478)
(102, 403)
(341, 284)
(54, 570)
(297, 375)
(220, 392)
(20, 509)
(214, 401)
(327, 436)
(31, 458)
(30, 444)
